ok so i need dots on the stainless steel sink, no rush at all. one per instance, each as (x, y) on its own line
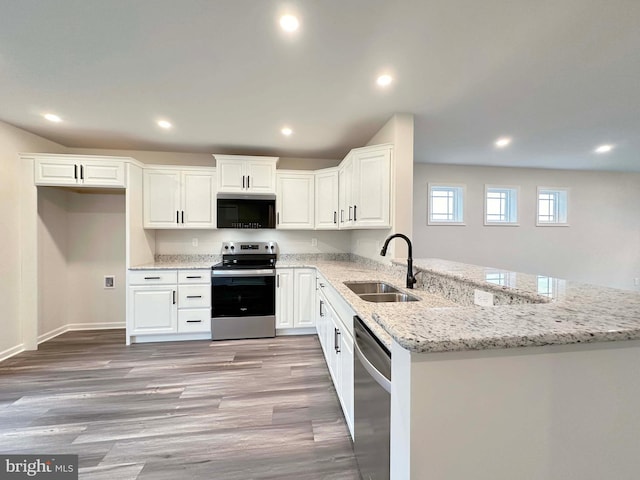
(379, 292)
(370, 287)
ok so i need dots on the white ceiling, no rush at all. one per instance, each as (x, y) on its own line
(560, 76)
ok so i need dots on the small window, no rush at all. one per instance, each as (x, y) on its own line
(552, 206)
(501, 205)
(446, 204)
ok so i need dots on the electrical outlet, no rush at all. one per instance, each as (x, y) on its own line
(194, 242)
(314, 242)
(482, 299)
(109, 281)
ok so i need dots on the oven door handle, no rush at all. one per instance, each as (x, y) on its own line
(244, 273)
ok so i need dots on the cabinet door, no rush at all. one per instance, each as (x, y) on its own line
(231, 175)
(198, 199)
(326, 200)
(161, 191)
(305, 293)
(261, 176)
(153, 310)
(284, 298)
(372, 173)
(346, 376)
(345, 185)
(295, 201)
(56, 171)
(102, 173)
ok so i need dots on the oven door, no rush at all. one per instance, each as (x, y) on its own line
(243, 303)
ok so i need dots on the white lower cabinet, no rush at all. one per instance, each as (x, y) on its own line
(295, 298)
(337, 345)
(153, 309)
(163, 304)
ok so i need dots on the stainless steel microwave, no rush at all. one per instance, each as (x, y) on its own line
(246, 211)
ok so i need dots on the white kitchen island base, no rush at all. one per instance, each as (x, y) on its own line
(536, 413)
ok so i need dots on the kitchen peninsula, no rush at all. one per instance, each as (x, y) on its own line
(544, 384)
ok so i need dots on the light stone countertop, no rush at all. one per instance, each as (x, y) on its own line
(447, 320)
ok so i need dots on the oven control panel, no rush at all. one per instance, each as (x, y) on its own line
(247, 248)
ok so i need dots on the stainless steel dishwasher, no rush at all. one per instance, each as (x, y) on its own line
(372, 403)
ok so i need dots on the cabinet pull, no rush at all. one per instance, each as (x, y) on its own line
(242, 181)
(194, 296)
(194, 321)
(341, 216)
(349, 212)
(335, 340)
(321, 312)
(248, 182)
(194, 276)
(152, 278)
(75, 172)
(355, 218)
(335, 217)
(278, 281)
(182, 216)
(338, 341)
(177, 216)
(278, 218)
(174, 296)
(81, 172)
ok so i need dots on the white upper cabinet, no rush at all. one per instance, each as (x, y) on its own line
(326, 211)
(175, 198)
(371, 189)
(364, 188)
(243, 174)
(295, 200)
(345, 192)
(80, 171)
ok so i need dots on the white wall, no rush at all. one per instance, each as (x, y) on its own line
(367, 243)
(201, 159)
(601, 245)
(16, 197)
(96, 247)
(172, 242)
(53, 249)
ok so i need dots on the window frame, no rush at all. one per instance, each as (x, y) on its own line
(460, 192)
(560, 214)
(513, 193)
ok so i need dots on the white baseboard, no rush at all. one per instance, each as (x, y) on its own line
(177, 337)
(10, 352)
(73, 327)
(53, 333)
(95, 326)
(295, 331)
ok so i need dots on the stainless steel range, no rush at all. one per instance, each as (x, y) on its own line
(243, 291)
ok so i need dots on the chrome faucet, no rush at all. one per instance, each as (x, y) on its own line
(411, 280)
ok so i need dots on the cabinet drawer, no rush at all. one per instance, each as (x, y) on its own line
(194, 276)
(153, 277)
(194, 296)
(196, 320)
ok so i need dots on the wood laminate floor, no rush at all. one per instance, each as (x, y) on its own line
(236, 410)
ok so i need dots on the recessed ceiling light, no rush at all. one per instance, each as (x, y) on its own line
(286, 131)
(164, 124)
(503, 142)
(52, 117)
(604, 148)
(289, 23)
(384, 80)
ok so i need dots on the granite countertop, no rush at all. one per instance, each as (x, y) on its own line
(529, 310)
(180, 262)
